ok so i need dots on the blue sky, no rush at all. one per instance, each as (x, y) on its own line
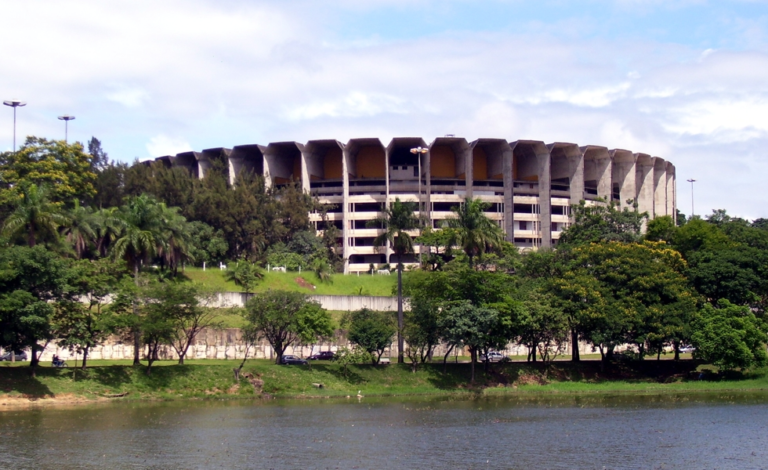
(683, 80)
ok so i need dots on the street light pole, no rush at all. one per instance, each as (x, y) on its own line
(692, 211)
(66, 118)
(14, 104)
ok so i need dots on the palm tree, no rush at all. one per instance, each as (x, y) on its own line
(108, 226)
(178, 238)
(140, 237)
(35, 215)
(80, 229)
(473, 230)
(397, 220)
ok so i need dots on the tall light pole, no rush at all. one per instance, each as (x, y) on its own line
(66, 118)
(14, 104)
(692, 181)
(419, 151)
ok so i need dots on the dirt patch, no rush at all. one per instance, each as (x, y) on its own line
(15, 402)
(531, 379)
(303, 283)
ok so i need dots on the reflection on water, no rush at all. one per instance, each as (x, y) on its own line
(724, 431)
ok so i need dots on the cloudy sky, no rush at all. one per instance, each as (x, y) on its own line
(686, 80)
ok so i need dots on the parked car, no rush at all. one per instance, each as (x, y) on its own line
(289, 360)
(385, 360)
(494, 356)
(22, 356)
(687, 349)
(322, 356)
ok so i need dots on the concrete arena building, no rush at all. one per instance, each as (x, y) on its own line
(528, 184)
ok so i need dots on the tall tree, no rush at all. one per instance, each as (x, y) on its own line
(35, 216)
(80, 228)
(83, 322)
(32, 281)
(285, 318)
(603, 223)
(473, 230)
(397, 221)
(64, 167)
(140, 238)
(370, 330)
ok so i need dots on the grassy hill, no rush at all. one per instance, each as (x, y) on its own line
(340, 284)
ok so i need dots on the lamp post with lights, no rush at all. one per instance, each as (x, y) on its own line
(14, 104)
(692, 181)
(66, 118)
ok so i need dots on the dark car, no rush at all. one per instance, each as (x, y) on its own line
(289, 360)
(322, 356)
(22, 356)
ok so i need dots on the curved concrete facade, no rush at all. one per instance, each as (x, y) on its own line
(528, 184)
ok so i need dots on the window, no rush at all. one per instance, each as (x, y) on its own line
(523, 225)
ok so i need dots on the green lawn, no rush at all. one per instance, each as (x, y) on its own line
(341, 284)
(214, 379)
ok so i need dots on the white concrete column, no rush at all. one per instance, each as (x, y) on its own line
(671, 191)
(545, 196)
(345, 232)
(660, 187)
(644, 183)
(509, 195)
(623, 175)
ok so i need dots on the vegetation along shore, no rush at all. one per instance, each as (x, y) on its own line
(92, 250)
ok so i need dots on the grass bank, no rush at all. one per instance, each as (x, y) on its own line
(340, 284)
(214, 379)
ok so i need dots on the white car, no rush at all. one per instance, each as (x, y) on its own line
(384, 360)
(494, 356)
(687, 349)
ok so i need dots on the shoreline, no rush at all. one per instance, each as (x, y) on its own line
(263, 381)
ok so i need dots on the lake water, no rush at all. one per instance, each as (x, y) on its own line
(699, 431)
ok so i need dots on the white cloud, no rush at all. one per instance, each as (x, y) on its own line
(129, 97)
(163, 145)
(155, 78)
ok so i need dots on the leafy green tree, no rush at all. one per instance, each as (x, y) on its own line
(346, 357)
(35, 217)
(283, 318)
(140, 237)
(183, 308)
(64, 167)
(86, 321)
(244, 274)
(206, 244)
(465, 324)
(372, 331)
(473, 230)
(661, 229)
(398, 220)
(626, 293)
(730, 337)
(541, 324)
(32, 281)
(438, 247)
(603, 223)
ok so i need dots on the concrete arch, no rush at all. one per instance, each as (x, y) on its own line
(531, 163)
(597, 172)
(623, 177)
(283, 163)
(188, 160)
(246, 158)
